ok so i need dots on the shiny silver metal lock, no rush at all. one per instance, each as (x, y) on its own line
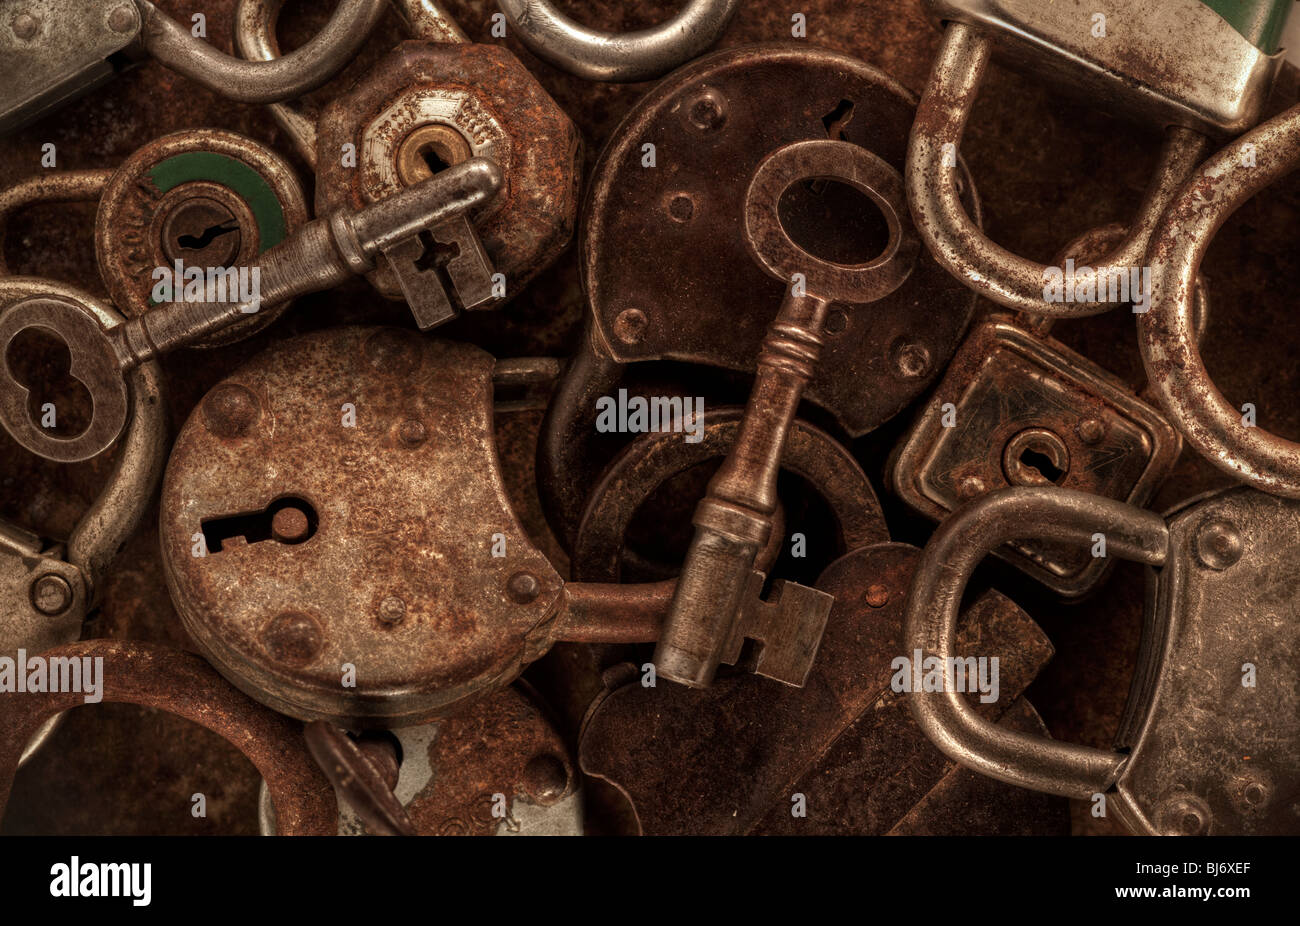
(1179, 64)
(46, 589)
(53, 51)
(1209, 743)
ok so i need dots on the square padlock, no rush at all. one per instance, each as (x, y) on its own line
(1016, 408)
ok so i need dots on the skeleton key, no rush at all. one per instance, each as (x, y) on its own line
(323, 253)
(734, 520)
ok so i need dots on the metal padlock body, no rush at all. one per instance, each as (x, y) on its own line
(664, 260)
(398, 580)
(182, 189)
(1211, 722)
(52, 53)
(1014, 393)
(491, 101)
(1172, 62)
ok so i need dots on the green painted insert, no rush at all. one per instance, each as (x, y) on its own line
(1260, 21)
(234, 174)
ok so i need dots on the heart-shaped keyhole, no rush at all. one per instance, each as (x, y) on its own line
(59, 403)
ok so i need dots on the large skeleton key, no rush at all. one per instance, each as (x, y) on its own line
(733, 521)
(321, 254)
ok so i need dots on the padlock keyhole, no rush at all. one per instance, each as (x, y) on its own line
(210, 234)
(1043, 464)
(58, 402)
(289, 521)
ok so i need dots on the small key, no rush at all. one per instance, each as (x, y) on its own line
(322, 254)
(734, 520)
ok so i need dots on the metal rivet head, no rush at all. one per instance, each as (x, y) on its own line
(971, 487)
(911, 359)
(51, 595)
(293, 638)
(707, 112)
(837, 322)
(230, 410)
(877, 596)
(1218, 544)
(123, 18)
(523, 587)
(1091, 430)
(1183, 815)
(392, 609)
(25, 25)
(630, 325)
(412, 432)
(545, 779)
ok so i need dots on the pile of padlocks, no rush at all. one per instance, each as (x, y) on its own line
(674, 605)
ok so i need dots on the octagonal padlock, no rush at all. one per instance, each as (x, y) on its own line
(338, 540)
(427, 106)
(1209, 742)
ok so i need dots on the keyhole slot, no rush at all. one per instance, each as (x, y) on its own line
(289, 521)
(210, 234)
(1036, 457)
(58, 402)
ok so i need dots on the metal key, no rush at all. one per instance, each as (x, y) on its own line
(734, 520)
(322, 254)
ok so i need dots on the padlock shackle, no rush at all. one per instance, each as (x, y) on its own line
(618, 57)
(285, 78)
(1166, 333)
(956, 548)
(957, 243)
(69, 186)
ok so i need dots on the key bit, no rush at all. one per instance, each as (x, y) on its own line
(789, 626)
(446, 260)
(321, 254)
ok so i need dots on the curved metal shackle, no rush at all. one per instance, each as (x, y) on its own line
(619, 57)
(115, 514)
(180, 683)
(957, 242)
(299, 72)
(956, 548)
(1166, 333)
(69, 186)
(255, 22)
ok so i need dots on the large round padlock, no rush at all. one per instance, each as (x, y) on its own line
(47, 588)
(337, 536)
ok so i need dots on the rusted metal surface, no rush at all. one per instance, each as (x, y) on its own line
(157, 677)
(729, 759)
(1015, 408)
(489, 103)
(399, 579)
(712, 123)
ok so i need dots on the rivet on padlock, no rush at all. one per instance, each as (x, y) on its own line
(1153, 65)
(1199, 730)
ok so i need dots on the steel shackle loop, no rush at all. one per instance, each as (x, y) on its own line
(299, 72)
(72, 186)
(618, 57)
(957, 243)
(956, 548)
(1166, 333)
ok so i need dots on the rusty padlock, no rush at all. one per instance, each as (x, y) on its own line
(670, 275)
(429, 105)
(338, 540)
(1209, 742)
(1195, 68)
